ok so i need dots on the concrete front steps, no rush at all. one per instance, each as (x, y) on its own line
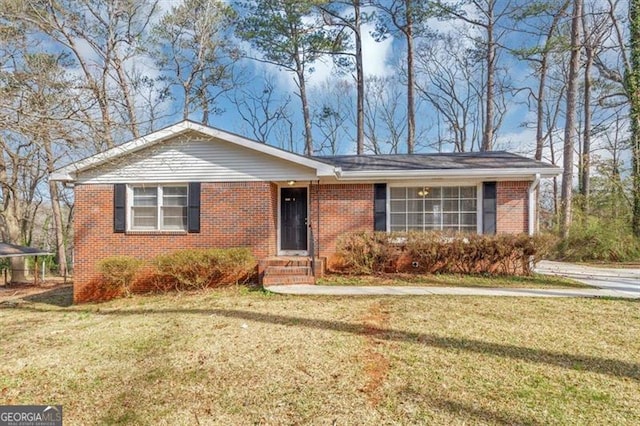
(283, 270)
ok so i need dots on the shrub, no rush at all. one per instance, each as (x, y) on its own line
(118, 272)
(432, 252)
(599, 240)
(367, 252)
(200, 268)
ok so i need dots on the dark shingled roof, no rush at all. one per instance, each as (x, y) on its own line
(12, 250)
(455, 161)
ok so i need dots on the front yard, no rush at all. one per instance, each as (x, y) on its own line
(236, 356)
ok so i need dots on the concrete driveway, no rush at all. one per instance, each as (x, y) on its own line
(623, 280)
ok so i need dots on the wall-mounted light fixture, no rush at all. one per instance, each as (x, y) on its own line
(291, 182)
(423, 192)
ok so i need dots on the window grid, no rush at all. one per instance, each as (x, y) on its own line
(442, 208)
(159, 208)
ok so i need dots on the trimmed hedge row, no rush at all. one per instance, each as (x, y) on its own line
(504, 254)
(189, 269)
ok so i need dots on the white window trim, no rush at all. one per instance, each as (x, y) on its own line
(407, 184)
(159, 188)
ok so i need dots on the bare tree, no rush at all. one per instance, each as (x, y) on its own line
(386, 121)
(570, 133)
(333, 114)
(104, 39)
(486, 17)
(406, 18)
(448, 82)
(262, 110)
(333, 13)
(193, 48)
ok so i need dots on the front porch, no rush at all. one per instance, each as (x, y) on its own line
(290, 270)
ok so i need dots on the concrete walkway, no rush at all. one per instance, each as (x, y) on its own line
(620, 283)
(624, 280)
(331, 290)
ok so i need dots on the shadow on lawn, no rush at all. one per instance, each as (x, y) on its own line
(599, 365)
(62, 296)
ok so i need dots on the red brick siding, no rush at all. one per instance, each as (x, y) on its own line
(344, 208)
(232, 215)
(512, 207)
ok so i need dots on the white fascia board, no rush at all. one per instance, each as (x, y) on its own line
(512, 173)
(68, 173)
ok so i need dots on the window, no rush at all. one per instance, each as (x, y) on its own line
(158, 208)
(428, 208)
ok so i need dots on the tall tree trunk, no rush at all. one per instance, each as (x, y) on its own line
(632, 81)
(411, 115)
(570, 132)
(306, 115)
(585, 158)
(359, 79)
(487, 134)
(61, 250)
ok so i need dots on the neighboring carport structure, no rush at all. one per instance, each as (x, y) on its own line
(12, 250)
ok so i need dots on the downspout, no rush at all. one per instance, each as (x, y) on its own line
(532, 203)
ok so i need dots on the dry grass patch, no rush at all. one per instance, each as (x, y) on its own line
(451, 280)
(239, 357)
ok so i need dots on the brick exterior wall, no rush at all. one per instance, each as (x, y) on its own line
(245, 214)
(232, 215)
(344, 208)
(512, 215)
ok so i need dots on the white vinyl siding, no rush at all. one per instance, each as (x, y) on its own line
(158, 208)
(186, 160)
(433, 208)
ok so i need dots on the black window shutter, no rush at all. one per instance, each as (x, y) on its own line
(380, 207)
(193, 208)
(119, 207)
(489, 208)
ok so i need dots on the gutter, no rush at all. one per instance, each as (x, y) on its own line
(448, 173)
(532, 203)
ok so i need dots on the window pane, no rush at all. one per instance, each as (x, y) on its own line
(415, 206)
(145, 196)
(413, 193)
(432, 218)
(468, 219)
(398, 206)
(175, 190)
(468, 192)
(398, 219)
(432, 206)
(144, 217)
(468, 205)
(414, 219)
(398, 193)
(450, 192)
(450, 219)
(450, 205)
(174, 218)
(434, 193)
(174, 196)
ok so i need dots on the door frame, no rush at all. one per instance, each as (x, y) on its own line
(279, 250)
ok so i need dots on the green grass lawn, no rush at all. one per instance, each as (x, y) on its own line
(236, 356)
(452, 280)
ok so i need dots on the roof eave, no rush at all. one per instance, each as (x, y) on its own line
(69, 173)
(518, 173)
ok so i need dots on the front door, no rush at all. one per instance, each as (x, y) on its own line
(293, 219)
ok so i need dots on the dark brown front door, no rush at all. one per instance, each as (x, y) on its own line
(293, 219)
